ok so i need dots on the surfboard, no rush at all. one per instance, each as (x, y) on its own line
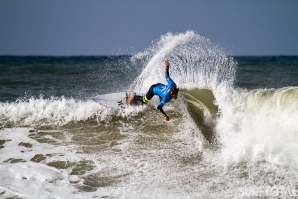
(116, 100)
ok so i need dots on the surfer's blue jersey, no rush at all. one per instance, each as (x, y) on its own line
(163, 91)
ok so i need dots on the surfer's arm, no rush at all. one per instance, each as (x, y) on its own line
(167, 64)
(159, 107)
(162, 111)
(167, 72)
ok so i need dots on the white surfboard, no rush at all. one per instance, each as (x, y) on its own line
(120, 100)
(114, 100)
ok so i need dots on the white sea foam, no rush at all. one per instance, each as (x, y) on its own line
(27, 179)
(56, 111)
(259, 125)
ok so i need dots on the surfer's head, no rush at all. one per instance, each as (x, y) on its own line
(174, 92)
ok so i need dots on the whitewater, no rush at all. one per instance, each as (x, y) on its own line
(228, 136)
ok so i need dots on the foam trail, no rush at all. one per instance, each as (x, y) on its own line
(195, 62)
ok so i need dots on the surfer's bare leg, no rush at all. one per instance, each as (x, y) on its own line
(131, 99)
(136, 100)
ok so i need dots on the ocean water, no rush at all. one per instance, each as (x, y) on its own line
(233, 130)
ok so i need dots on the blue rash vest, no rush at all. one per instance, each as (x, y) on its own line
(163, 91)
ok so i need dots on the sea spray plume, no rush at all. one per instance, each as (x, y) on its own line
(195, 62)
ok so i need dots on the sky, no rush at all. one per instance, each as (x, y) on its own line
(112, 27)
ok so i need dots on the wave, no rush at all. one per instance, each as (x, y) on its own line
(259, 125)
(54, 111)
(248, 125)
(202, 110)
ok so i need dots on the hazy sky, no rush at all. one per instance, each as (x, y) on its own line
(109, 27)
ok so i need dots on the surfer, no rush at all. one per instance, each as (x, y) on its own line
(165, 92)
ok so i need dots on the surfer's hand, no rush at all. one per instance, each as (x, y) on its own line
(167, 63)
(167, 118)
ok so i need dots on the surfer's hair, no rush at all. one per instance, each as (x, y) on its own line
(174, 90)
